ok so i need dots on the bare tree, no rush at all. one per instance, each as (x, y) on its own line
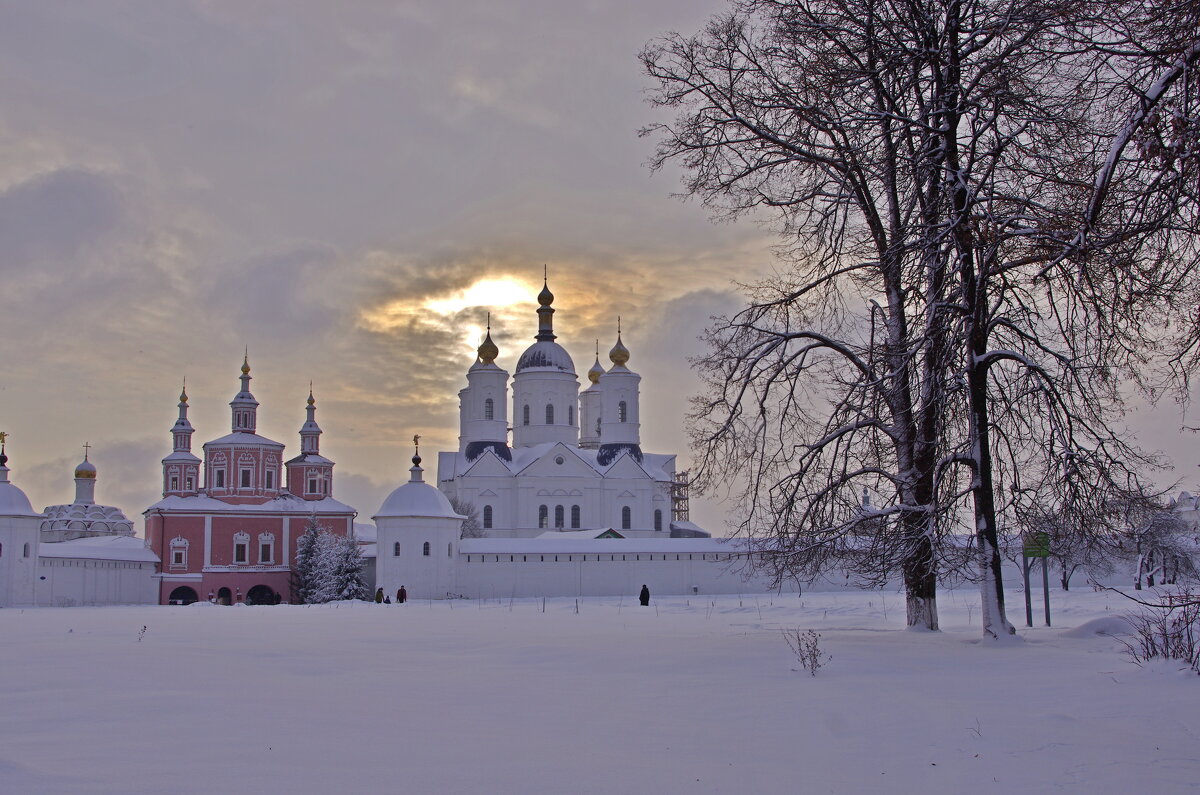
(471, 526)
(962, 168)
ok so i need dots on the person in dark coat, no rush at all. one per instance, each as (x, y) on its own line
(401, 596)
(644, 596)
(378, 596)
(387, 600)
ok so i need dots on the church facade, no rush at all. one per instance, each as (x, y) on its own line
(227, 525)
(575, 461)
(566, 500)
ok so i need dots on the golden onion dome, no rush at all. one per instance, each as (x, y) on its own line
(488, 350)
(596, 371)
(86, 469)
(311, 400)
(545, 297)
(246, 368)
(619, 354)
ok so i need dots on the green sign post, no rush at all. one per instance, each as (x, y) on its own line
(1034, 546)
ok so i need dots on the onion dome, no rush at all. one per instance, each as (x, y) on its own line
(86, 469)
(488, 350)
(619, 354)
(596, 370)
(545, 353)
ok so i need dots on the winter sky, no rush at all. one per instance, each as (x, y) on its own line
(347, 189)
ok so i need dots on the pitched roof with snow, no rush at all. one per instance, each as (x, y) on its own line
(123, 548)
(284, 503)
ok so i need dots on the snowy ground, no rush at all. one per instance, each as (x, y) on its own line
(683, 696)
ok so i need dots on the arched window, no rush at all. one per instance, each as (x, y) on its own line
(622, 412)
(425, 549)
(558, 516)
(570, 415)
(549, 414)
(597, 426)
(487, 517)
(449, 549)
(26, 549)
(658, 519)
(574, 517)
(489, 409)
(543, 516)
(396, 550)
(626, 518)
(525, 415)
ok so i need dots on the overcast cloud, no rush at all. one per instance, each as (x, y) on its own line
(321, 182)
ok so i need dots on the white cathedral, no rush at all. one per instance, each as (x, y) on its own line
(572, 506)
(576, 461)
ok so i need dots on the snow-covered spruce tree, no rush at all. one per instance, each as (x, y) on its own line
(303, 577)
(349, 582)
(963, 169)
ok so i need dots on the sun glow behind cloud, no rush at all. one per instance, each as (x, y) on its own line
(461, 310)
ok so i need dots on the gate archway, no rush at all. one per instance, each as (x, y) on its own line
(260, 595)
(183, 595)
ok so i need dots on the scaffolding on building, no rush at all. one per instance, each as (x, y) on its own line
(679, 497)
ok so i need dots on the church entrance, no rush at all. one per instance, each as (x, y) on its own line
(260, 595)
(225, 597)
(182, 595)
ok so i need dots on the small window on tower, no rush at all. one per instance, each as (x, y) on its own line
(626, 518)
(622, 412)
(190, 483)
(558, 516)
(574, 517)
(174, 483)
(489, 409)
(543, 516)
(219, 478)
(264, 552)
(246, 478)
(239, 552)
(570, 415)
(658, 519)
(312, 485)
(549, 414)
(525, 415)
(425, 549)
(487, 517)
(270, 479)
(178, 557)
(597, 426)
(26, 549)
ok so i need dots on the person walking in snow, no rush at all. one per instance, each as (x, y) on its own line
(379, 596)
(387, 600)
(644, 596)
(401, 596)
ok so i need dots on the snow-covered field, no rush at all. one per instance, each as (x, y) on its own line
(688, 696)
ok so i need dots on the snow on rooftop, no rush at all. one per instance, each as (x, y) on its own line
(123, 548)
(241, 437)
(284, 503)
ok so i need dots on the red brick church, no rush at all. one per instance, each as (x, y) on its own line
(226, 527)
